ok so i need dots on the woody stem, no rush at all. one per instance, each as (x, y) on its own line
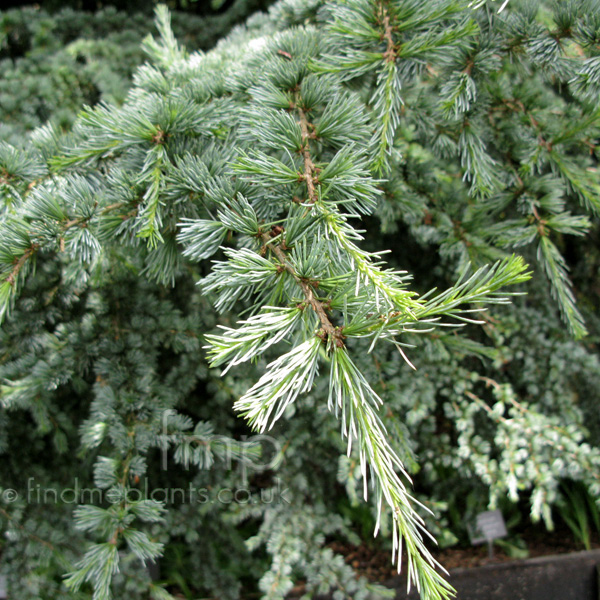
(330, 330)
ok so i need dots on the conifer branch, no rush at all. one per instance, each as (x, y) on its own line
(184, 150)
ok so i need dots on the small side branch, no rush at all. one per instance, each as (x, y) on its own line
(12, 278)
(309, 174)
(330, 331)
(390, 53)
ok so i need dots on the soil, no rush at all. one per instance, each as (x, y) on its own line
(374, 563)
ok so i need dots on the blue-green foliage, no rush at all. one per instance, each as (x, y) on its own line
(460, 136)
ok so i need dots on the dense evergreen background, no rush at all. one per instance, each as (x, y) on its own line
(54, 58)
(200, 7)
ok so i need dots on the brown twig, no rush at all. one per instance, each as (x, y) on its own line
(390, 53)
(12, 278)
(309, 174)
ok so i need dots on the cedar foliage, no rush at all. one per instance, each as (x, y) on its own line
(453, 134)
